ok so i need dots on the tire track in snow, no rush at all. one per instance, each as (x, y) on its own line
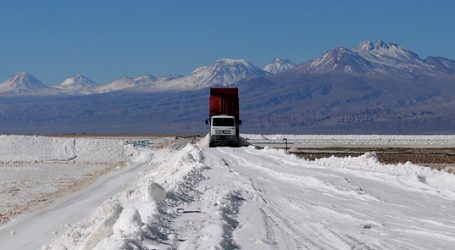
(301, 236)
(310, 168)
(279, 222)
(229, 214)
(217, 203)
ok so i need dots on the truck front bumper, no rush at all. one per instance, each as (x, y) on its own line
(223, 140)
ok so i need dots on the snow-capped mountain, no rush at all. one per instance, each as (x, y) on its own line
(77, 82)
(340, 59)
(128, 82)
(279, 65)
(223, 72)
(389, 54)
(379, 58)
(22, 83)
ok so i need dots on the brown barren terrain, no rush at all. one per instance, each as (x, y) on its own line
(441, 159)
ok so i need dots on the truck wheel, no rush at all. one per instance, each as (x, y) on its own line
(210, 145)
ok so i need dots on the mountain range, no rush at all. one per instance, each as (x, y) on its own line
(375, 87)
(225, 72)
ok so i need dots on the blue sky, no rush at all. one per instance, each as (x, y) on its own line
(108, 39)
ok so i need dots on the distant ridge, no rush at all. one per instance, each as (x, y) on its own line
(376, 87)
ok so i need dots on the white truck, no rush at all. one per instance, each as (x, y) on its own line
(224, 116)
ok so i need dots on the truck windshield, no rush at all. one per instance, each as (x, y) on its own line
(224, 122)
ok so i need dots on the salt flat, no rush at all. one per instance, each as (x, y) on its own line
(194, 197)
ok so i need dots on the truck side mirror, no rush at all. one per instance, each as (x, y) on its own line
(206, 121)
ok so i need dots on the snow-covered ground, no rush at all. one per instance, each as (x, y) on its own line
(37, 170)
(39, 148)
(30, 186)
(195, 197)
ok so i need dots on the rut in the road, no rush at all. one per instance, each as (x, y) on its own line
(229, 214)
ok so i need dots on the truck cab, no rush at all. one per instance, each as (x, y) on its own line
(223, 130)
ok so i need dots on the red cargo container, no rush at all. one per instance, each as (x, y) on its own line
(224, 101)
